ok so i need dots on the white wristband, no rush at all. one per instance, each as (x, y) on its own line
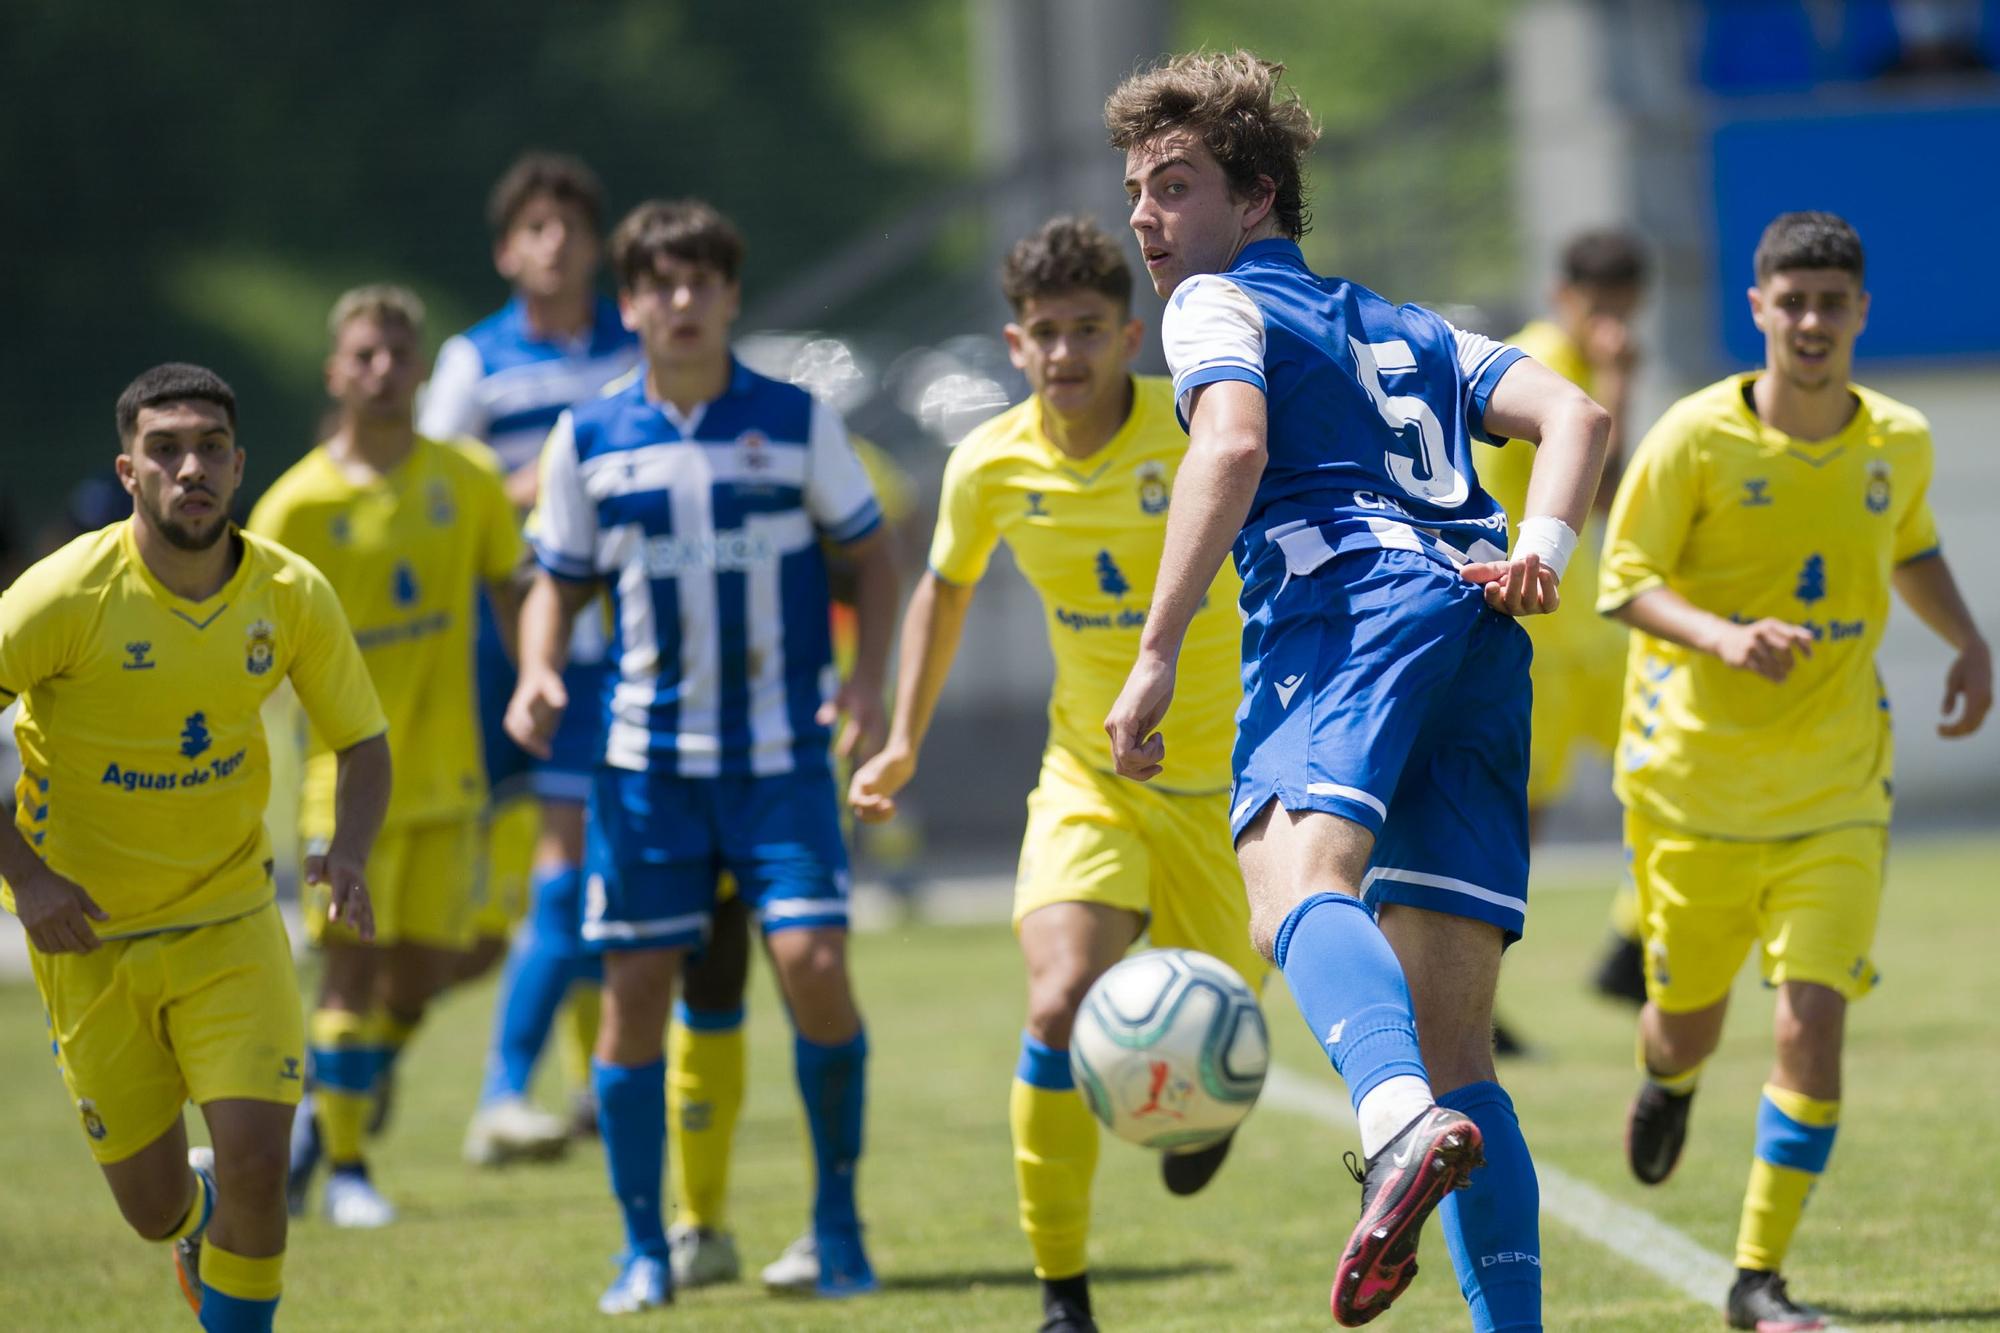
(1548, 537)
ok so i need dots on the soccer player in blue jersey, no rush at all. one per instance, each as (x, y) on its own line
(698, 495)
(1379, 807)
(505, 380)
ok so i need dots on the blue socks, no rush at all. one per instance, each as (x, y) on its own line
(632, 1117)
(833, 1085)
(547, 956)
(1043, 1066)
(223, 1313)
(1350, 988)
(1492, 1226)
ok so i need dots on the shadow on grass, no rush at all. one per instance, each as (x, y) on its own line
(1850, 1315)
(1108, 1275)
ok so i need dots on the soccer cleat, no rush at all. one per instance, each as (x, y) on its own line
(1759, 1301)
(797, 1269)
(1655, 1130)
(702, 1256)
(305, 1156)
(187, 1250)
(1507, 1044)
(1186, 1172)
(351, 1200)
(1066, 1317)
(1621, 973)
(644, 1282)
(1400, 1186)
(509, 1130)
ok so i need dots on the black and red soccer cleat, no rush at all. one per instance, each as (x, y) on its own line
(1759, 1301)
(1435, 1154)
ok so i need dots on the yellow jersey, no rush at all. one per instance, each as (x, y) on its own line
(1087, 534)
(1747, 522)
(1572, 634)
(143, 766)
(406, 552)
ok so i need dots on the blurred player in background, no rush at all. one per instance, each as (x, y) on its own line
(1381, 820)
(136, 858)
(1076, 481)
(1753, 546)
(1579, 660)
(558, 341)
(698, 494)
(407, 529)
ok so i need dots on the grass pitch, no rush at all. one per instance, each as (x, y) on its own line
(1900, 1235)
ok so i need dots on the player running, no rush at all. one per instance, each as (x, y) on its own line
(1753, 545)
(697, 495)
(1579, 661)
(1076, 481)
(1381, 750)
(505, 380)
(137, 858)
(407, 529)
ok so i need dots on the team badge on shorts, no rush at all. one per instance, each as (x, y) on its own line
(261, 649)
(93, 1123)
(1153, 493)
(1877, 497)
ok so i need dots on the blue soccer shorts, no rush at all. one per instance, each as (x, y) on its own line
(656, 845)
(1380, 688)
(578, 745)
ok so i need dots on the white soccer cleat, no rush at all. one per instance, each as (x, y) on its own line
(351, 1200)
(797, 1269)
(701, 1256)
(510, 1130)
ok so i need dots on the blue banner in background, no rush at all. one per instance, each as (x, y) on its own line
(1921, 185)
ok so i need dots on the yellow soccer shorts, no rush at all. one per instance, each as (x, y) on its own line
(1095, 837)
(1809, 904)
(142, 1026)
(422, 880)
(502, 892)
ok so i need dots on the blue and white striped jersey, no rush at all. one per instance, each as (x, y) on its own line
(1371, 410)
(502, 383)
(706, 529)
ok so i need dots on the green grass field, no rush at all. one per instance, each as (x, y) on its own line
(1901, 1235)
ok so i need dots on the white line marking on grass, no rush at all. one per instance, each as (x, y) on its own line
(1631, 1233)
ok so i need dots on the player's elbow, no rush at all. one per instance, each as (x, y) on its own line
(1236, 449)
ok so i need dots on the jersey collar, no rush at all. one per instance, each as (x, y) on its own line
(1272, 249)
(1090, 468)
(199, 614)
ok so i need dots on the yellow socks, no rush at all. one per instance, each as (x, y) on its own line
(705, 1057)
(239, 1294)
(1795, 1136)
(344, 1063)
(1055, 1157)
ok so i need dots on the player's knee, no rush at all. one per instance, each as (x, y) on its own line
(1808, 1026)
(253, 1172)
(1265, 920)
(153, 1214)
(1053, 998)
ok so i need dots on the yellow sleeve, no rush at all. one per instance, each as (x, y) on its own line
(892, 485)
(965, 536)
(1917, 530)
(1656, 505)
(332, 681)
(39, 633)
(268, 517)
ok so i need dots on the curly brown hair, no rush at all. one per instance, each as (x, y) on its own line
(1232, 102)
(1066, 254)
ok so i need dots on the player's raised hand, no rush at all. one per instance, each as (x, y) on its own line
(535, 710)
(872, 793)
(867, 720)
(347, 881)
(1137, 748)
(1523, 587)
(57, 913)
(1767, 647)
(1968, 691)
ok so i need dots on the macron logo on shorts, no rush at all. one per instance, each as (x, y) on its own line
(1286, 688)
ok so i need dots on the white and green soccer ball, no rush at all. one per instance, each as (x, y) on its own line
(1169, 1049)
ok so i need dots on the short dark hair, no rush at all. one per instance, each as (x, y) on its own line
(689, 230)
(1809, 240)
(564, 178)
(1232, 102)
(1066, 254)
(1606, 257)
(172, 383)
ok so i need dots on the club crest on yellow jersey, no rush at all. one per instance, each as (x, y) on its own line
(1878, 493)
(260, 650)
(1153, 493)
(439, 504)
(93, 1123)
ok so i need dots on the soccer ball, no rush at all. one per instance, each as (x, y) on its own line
(1169, 1049)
